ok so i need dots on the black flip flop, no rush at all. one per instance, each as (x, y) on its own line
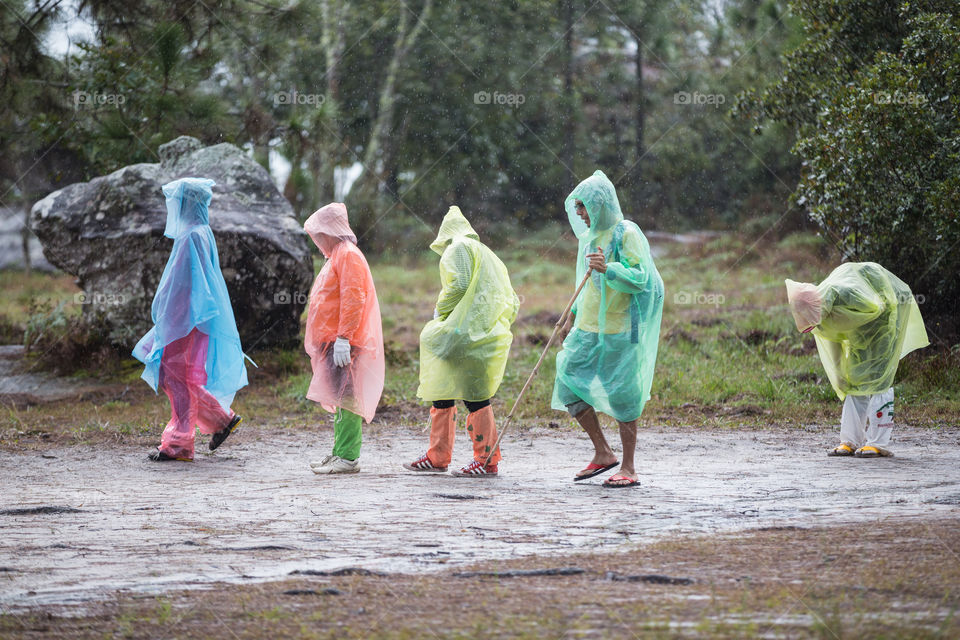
(608, 485)
(221, 435)
(160, 456)
(595, 472)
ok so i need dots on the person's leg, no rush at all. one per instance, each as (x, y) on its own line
(853, 421)
(443, 423)
(345, 458)
(880, 412)
(443, 428)
(482, 429)
(347, 435)
(627, 475)
(211, 416)
(179, 434)
(603, 454)
(586, 416)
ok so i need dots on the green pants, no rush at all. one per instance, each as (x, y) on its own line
(346, 434)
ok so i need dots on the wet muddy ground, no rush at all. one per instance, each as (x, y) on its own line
(82, 523)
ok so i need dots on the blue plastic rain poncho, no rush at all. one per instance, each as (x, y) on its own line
(864, 319)
(463, 351)
(608, 359)
(193, 295)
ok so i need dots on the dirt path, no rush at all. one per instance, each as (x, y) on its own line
(105, 520)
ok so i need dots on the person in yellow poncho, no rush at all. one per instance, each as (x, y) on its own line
(864, 319)
(464, 349)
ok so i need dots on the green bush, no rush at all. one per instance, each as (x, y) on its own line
(874, 92)
(69, 343)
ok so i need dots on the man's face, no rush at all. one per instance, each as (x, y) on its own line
(582, 212)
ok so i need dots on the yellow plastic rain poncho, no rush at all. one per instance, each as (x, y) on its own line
(463, 351)
(868, 321)
(608, 359)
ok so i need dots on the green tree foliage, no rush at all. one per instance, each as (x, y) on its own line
(143, 81)
(874, 93)
(499, 107)
(31, 84)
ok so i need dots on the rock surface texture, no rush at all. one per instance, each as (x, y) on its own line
(109, 233)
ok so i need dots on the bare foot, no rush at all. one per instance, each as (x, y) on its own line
(625, 473)
(621, 479)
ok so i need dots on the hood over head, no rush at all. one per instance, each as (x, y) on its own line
(805, 302)
(599, 196)
(454, 226)
(328, 226)
(188, 200)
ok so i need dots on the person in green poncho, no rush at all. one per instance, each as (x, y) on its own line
(864, 319)
(608, 356)
(464, 349)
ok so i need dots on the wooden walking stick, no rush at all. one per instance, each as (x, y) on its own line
(556, 330)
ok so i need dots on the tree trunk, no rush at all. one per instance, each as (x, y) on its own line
(569, 137)
(334, 14)
(640, 111)
(368, 184)
(25, 239)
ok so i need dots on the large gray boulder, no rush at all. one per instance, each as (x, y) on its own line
(109, 233)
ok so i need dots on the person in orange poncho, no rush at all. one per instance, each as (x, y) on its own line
(344, 338)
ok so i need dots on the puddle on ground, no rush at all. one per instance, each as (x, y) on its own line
(78, 526)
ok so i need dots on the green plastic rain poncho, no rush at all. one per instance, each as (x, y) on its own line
(608, 359)
(463, 351)
(868, 321)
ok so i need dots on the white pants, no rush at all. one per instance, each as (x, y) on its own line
(858, 411)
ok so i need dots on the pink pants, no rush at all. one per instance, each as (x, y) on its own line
(182, 376)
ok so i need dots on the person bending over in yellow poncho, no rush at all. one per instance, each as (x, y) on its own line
(864, 320)
(608, 357)
(464, 349)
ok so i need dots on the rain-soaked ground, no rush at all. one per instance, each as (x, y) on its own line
(79, 523)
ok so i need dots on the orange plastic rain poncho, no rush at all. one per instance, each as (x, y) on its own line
(343, 303)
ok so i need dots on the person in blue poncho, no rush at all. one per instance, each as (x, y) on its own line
(193, 351)
(610, 350)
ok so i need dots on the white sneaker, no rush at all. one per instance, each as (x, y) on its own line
(319, 463)
(336, 464)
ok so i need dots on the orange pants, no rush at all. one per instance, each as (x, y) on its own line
(480, 427)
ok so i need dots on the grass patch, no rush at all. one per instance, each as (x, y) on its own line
(729, 355)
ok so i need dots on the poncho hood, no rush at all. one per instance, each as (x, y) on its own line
(599, 196)
(192, 294)
(805, 303)
(188, 201)
(454, 226)
(331, 221)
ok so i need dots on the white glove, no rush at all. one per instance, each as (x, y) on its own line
(341, 352)
(436, 314)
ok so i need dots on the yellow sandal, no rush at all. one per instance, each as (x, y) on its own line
(843, 449)
(872, 452)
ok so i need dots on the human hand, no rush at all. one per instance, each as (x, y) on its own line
(341, 352)
(596, 261)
